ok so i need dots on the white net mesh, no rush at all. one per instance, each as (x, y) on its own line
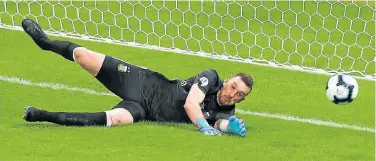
(312, 36)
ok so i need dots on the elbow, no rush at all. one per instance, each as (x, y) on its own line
(188, 104)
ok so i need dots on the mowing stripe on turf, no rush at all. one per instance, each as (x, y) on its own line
(278, 116)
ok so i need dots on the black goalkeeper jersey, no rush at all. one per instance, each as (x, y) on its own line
(163, 99)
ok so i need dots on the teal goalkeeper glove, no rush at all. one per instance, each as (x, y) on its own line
(236, 126)
(205, 128)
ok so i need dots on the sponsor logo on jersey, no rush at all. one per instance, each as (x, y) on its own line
(183, 83)
(206, 115)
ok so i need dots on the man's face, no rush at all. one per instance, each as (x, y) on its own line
(234, 90)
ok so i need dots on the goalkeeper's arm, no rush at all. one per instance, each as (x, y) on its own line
(193, 109)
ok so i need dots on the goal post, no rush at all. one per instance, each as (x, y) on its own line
(314, 36)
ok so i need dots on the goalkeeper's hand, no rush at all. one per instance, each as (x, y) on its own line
(205, 128)
(210, 131)
(236, 126)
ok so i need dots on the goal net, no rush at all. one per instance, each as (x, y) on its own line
(315, 36)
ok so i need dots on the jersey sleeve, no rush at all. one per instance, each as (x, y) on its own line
(206, 80)
(223, 114)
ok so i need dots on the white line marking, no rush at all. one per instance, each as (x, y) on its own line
(278, 116)
(53, 86)
(310, 121)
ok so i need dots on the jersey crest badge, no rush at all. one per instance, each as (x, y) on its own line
(204, 81)
(122, 68)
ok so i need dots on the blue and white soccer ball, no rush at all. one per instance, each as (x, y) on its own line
(342, 89)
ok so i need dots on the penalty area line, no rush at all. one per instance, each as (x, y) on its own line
(56, 86)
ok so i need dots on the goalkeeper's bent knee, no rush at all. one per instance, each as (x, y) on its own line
(119, 116)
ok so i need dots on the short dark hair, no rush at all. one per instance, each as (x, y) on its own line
(247, 79)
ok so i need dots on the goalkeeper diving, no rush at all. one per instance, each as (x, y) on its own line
(204, 100)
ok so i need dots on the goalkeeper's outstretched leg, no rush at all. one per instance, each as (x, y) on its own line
(118, 76)
(89, 60)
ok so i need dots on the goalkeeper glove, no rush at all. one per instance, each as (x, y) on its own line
(236, 126)
(205, 128)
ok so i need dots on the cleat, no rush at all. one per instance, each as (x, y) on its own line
(34, 30)
(29, 113)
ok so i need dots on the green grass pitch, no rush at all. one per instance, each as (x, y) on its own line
(279, 91)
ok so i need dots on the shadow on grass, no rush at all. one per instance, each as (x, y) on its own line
(187, 126)
(183, 126)
(37, 125)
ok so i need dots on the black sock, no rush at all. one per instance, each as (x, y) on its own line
(63, 48)
(73, 118)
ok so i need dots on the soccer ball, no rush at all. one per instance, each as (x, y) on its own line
(342, 89)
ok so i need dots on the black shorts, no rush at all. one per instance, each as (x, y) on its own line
(135, 108)
(123, 79)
